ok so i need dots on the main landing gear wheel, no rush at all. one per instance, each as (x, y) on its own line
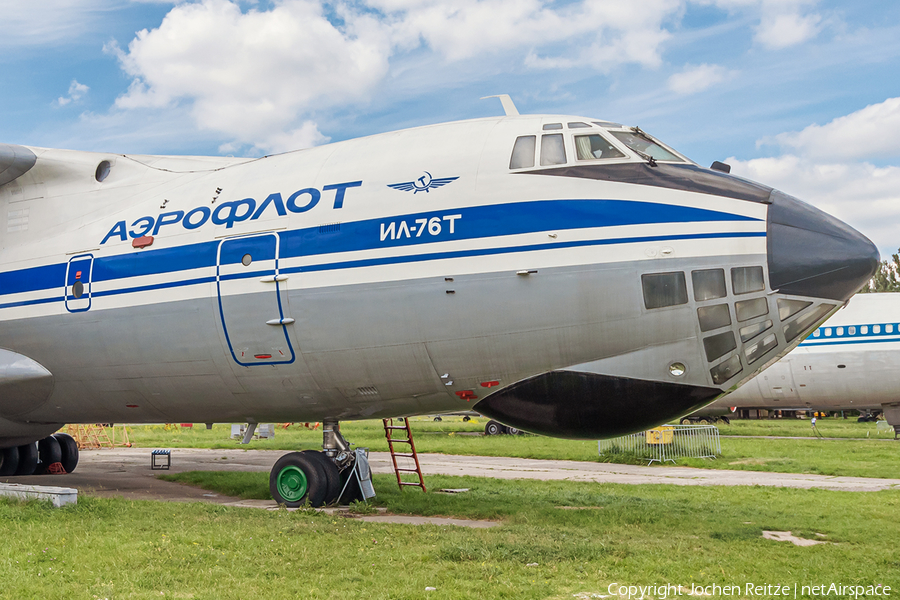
(28, 459)
(48, 454)
(493, 428)
(9, 461)
(512, 431)
(296, 479)
(69, 451)
(332, 475)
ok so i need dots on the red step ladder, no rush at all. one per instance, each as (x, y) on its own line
(389, 427)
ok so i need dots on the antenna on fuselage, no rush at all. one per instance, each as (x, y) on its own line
(508, 107)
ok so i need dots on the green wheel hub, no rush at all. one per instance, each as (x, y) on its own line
(292, 484)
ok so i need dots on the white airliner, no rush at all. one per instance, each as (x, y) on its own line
(850, 362)
(561, 274)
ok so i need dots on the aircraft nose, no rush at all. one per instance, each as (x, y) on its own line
(812, 254)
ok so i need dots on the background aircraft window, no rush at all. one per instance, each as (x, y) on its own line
(664, 289)
(589, 147)
(642, 144)
(751, 331)
(817, 333)
(713, 317)
(246, 260)
(795, 328)
(757, 350)
(725, 371)
(708, 284)
(577, 125)
(523, 152)
(719, 345)
(876, 328)
(889, 328)
(747, 309)
(789, 308)
(828, 332)
(864, 329)
(747, 279)
(839, 331)
(851, 330)
(552, 126)
(552, 150)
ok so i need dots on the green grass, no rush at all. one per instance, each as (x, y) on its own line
(829, 427)
(839, 457)
(108, 548)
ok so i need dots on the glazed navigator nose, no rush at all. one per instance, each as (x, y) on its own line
(812, 254)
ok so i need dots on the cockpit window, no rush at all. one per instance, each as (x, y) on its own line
(523, 152)
(641, 143)
(577, 125)
(553, 152)
(552, 126)
(590, 147)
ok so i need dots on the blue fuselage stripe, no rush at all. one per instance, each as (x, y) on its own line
(479, 222)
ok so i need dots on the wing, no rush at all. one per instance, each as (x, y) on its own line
(442, 181)
(403, 187)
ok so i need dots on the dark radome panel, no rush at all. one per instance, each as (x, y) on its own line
(589, 406)
(813, 254)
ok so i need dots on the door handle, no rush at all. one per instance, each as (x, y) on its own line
(284, 321)
(273, 278)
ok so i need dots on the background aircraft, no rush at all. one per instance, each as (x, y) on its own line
(561, 274)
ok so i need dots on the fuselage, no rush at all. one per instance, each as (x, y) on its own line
(548, 271)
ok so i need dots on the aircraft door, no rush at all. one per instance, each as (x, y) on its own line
(250, 303)
(78, 283)
(777, 383)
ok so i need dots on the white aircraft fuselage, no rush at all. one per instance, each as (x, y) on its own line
(562, 275)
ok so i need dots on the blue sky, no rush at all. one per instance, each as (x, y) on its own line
(803, 95)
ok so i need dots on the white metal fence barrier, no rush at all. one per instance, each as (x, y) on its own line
(667, 442)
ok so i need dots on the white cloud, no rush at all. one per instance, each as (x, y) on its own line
(258, 75)
(782, 23)
(76, 93)
(779, 30)
(697, 78)
(825, 165)
(251, 75)
(865, 196)
(873, 132)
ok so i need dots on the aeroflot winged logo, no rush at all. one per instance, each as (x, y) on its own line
(423, 184)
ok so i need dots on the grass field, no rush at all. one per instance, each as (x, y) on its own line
(841, 456)
(631, 535)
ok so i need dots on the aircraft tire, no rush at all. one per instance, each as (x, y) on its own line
(49, 453)
(296, 479)
(28, 459)
(332, 475)
(69, 449)
(438, 419)
(493, 428)
(9, 461)
(511, 431)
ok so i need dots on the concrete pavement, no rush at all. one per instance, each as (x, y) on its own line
(125, 472)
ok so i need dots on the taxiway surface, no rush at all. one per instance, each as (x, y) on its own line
(125, 472)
